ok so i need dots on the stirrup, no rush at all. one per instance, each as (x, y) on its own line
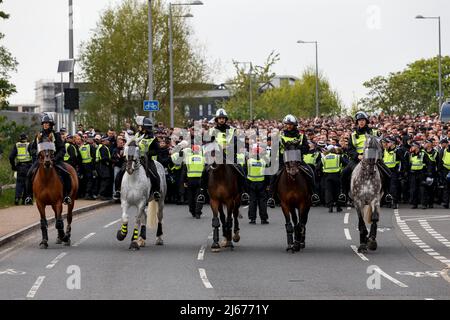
(271, 203)
(116, 195)
(156, 195)
(342, 198)
(67, 200)
(201, 199)
(28, 201)
(245, 198)
(315, 198)
(389, 198)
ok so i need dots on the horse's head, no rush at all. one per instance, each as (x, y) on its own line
(372, 150)
(46, 152)
(132, 156)
(292, 158)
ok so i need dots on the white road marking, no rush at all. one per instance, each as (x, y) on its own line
(347, 234)
(349, 208)
(112, 223)
(84, 239)
(346, 218)
(429, 299)
(363, 257)
(204, 278)
(12, 272)
(56, 260)
(34, 289)
(201, 253)
(384, 274)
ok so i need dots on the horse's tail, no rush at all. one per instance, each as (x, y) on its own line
(152, 214)
(368, 214)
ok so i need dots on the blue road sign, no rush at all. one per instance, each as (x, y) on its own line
(151, 105)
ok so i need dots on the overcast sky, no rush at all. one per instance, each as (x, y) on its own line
(358, 39)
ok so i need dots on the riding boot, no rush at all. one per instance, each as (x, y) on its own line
(29, 184)
(312, 181)
(203, 186)
(385, 174)
(272, 185)
(154, 178)
(245, 198)
(118, 183)
(67, 183)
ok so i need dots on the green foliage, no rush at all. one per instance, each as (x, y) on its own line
(412, 90)
(7, 64)
(6, 175)
(115, 62)
(274, 103)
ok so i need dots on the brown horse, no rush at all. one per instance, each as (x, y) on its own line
(295, 195)
(224, 191)
(48, 191)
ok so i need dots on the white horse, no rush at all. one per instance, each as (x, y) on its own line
(135, 191)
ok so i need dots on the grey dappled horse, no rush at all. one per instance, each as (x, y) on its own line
(366, 192)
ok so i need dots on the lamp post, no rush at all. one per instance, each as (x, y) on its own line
(317, 73)
(250, 86)
(150, 54)
(439, 58)
(71, 74)
(193, 3)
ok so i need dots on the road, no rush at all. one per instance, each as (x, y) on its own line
(410, 263)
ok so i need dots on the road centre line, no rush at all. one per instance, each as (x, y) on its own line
(56, 260)
(34, 289)
(204, 278)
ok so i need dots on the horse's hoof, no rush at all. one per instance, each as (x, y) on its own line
(141, 242)
(362, 248)
(59, 241)
(297, 247)
(67, 243)
(302, 245)
(215, 247)
(134, 246)
(290, 248)
(372, 244)
(223, 243)
(236, 237)
(121, 236)
(43, 245)
(159, 242)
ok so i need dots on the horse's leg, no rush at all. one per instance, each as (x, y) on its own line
(122, 233)
(228, 227)
(293, 211)
(372, 242)
(134, 239)
(289, 227)
(59, 222)
(236, 236)
(215, 247)
(143, 222)
(304, 211)
(66, 238)
(362, 231)
(44, 226)
(223, 221)
(159, 231)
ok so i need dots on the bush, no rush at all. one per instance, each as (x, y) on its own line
(6, 175)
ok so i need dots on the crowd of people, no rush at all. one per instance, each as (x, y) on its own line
(416, 159)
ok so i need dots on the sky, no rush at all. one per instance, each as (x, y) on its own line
(358, 39)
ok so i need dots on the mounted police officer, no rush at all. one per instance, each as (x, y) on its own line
(226, 137)
(21, 161)
(291, 135)
(149, 148)
(47, 131)
(355, 152)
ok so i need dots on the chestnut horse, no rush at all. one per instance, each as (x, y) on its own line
(223, 192)
(48, 191)
(295, 196)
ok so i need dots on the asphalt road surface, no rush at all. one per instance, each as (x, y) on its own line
(411, 261)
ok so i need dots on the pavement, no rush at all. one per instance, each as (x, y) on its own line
(18, 220)
(411, 262)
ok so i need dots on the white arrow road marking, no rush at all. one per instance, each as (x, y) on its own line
(384, 274)
(204, 278)
(363, 257)
(34, 289)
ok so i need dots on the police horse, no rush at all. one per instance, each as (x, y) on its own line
(366, 193)
(135, 191)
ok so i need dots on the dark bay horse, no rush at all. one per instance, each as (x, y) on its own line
(48, 191)
(223, 191)
(366, 192)
(295, 196)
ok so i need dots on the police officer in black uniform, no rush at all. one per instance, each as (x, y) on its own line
(47, 131)
(21, 161)
(394, 159)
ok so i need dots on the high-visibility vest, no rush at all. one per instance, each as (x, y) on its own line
(446, 159)
(195, 164)
(417, 162)
(285, 139)
(144, 145)
(222, 139)
(255, 170)
(85, 152)
(431, 156)
(331, 163)
(98, 156)
(359, 142)
(390, 159)
(67, 156)
(22, 152)
(240, 157)
(175, 159)
(311, 158)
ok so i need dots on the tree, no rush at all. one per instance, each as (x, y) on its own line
(413, 90)
(7, 64)
(115, 62)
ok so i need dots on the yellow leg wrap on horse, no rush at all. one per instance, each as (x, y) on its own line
(135, 234)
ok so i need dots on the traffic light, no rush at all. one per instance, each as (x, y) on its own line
(71, 99)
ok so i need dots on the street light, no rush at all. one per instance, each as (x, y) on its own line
(317, 73)
(193, 3)
(439, 58)
(250, 86)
